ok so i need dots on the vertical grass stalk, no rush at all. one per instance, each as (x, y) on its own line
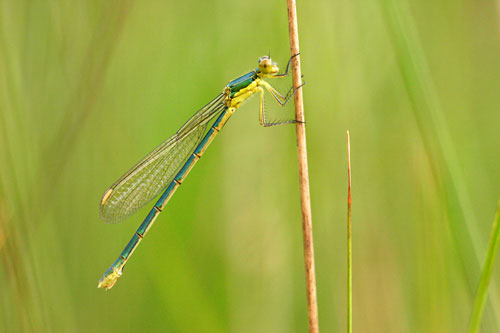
(484, 280)
(349, 238)
(305, 198)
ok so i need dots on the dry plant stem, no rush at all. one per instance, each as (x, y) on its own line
(349, 238)
(312, 303)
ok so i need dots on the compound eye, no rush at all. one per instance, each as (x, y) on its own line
(267, 66)
(263, 58)
(265, 63)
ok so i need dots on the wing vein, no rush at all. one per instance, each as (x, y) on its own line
(144, 181)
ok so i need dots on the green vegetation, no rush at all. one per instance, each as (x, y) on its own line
(88, 88)
(482, 289)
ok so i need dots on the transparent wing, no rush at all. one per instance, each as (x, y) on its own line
(154, 172)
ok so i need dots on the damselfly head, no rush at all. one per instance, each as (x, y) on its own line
(267, 67)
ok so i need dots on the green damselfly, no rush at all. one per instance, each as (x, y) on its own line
(165, 168)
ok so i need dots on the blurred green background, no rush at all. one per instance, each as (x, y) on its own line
(87, 88)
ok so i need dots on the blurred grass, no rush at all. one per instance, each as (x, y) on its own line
(487, 268)
(87, 88)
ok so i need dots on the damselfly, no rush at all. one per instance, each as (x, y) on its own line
(168, 165)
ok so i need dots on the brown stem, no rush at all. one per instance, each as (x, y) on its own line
(312, 303)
